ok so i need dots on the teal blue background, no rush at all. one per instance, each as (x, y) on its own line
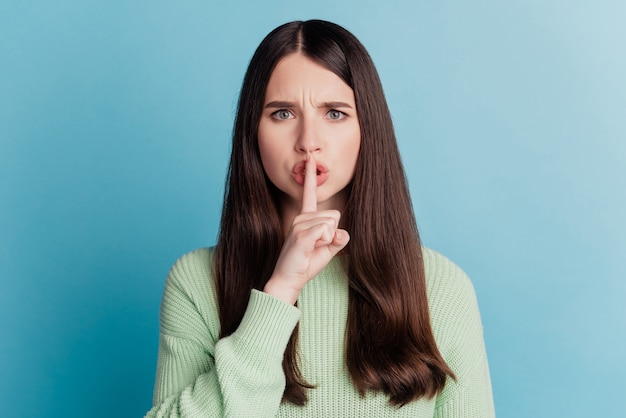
(115, 120)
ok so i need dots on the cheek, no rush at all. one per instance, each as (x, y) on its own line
(268, 159)
(265, 146)
(272, 139)
(351, 149)
(270, 156)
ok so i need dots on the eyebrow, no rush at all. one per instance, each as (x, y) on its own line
(282, 105)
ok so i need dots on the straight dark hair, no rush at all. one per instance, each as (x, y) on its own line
(389, 343)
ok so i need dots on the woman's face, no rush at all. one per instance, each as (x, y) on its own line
(309, 110)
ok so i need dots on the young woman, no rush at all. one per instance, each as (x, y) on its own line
(318, 299)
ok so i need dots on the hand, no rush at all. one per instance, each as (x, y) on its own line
(312, 241)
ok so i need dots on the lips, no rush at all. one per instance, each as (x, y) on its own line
(299, 170)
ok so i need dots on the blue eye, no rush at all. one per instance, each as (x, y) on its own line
(335, 114)
(282, 114)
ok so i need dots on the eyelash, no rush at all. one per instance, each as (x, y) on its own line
(276, 114)
(341, 114)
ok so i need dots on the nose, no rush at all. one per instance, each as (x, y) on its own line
(308, 137)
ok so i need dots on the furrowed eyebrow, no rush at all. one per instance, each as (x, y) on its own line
(279, 105)
(285, 105)
(333, 105)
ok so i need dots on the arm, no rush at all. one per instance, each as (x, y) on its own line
(240, 375)
(197, 375)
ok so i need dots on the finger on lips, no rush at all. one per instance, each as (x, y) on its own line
(309, 194)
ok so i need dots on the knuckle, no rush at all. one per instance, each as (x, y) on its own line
(299, 239)
(329, 232)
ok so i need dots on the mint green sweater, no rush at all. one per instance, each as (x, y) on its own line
(242, 376)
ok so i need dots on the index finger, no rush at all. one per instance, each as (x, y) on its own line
(309, 194)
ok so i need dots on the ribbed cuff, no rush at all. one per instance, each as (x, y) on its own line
(267, 323)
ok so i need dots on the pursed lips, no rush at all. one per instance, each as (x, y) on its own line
(299, 169)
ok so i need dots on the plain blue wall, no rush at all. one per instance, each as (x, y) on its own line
(114, 126)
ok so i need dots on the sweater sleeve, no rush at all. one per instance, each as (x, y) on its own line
(198, 375)
(459, 333)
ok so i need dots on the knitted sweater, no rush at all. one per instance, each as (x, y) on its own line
(242, 376)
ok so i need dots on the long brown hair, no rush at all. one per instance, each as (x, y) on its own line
(390, 346)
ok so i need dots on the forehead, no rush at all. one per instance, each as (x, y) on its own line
(296, 75)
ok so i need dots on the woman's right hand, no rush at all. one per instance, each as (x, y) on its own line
(312, 241)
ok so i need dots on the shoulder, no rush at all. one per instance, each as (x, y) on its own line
(195, 264)
(189, 292)
(451, 299)
(191, 272)
(444, 279)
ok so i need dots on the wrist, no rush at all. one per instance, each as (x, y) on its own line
(279, 290)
